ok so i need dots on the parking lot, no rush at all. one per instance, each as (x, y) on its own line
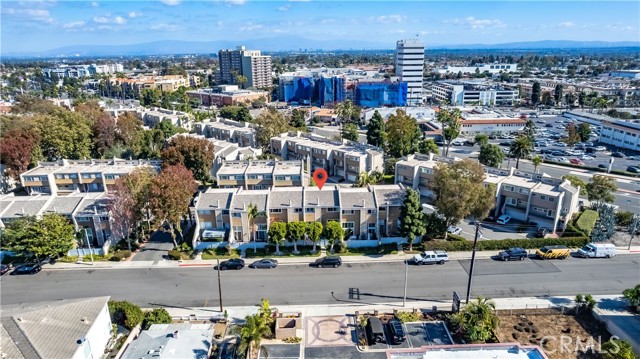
(417, 334)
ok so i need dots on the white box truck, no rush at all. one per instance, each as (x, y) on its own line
(597, 250)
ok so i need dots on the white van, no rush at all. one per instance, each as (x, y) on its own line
(597, 250)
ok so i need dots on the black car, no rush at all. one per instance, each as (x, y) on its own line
(264, 263)
(548, 125)
(32, 268)
(602, 165)
(329, 261)
(233, 263)
(397, 332)
(633, 169)
(505, 143)
(542, 232)
(618, 154)
(513, 254)
(4, 269)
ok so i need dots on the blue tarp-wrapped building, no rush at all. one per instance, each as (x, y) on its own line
(330, 89)
(299, 89)
(381, 94)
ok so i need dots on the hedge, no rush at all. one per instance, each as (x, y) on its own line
(156, 316)
(501, 244)
(120, 256)
(174, 254)
(125, 313)
(587, 221)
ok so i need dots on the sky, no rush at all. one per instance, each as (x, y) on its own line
(43, 25)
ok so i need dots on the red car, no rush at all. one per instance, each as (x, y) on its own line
(576, 161)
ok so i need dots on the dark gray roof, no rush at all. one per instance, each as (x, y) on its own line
(242, 200)
(19, 206)
(215, 199)
(356, 198)
(92, 204)
(388, 195)
(284, 197)
(63, 205)
(327, 197)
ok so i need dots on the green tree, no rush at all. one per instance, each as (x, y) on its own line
(125, 313)
(633, 296)
(271, 123)
(428, 145)
(582, 99)
(404, 131)
(377, 131)
(584, 131)
(149, 97)
(251, 334)
(535, 93)
(460, 191)
(434, 225)
(572, 135)
(348, 112)
(295, 232)
(617, 349)
(482, 139)
(171, 193)
(156, 316)
(314, 231)
(491, 155)
(349, 131)
(537, 160)
(570, 99)
(477, 321)
(121, 203)
(365, 179)
(520, 148)
(138, 185)
(253, 213)
(241, 81)
(196, 154)
(557, 94)
(265, 312)
(297, 119)
(334, 233)
(601, 188)
(411, 217)
(65, 134)
(168, 129)
(52, 235)
(530, 130)
(451, 124)
(277, 233)
(547, 99)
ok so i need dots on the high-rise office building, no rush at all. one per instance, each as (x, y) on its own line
(251, 64)
(409, 68)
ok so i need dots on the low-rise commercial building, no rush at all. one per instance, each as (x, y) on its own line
(525, 196)
(619, 133)
(75, 176)
(242, 133)
(345, 159)
(172, 341)
(228, 95)
(365, 213)
(462, 93)
(493, 69)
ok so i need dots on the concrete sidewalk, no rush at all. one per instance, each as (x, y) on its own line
(351, 259)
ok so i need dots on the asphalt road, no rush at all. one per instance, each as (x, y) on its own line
(297, 284)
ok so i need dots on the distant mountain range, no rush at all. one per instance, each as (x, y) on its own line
(291, 43)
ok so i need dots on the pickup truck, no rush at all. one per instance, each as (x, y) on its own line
(431, 257)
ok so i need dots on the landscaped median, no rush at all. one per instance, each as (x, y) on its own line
(501, 244)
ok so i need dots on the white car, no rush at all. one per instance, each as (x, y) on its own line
(431, 257)
(587, 158)
(454, 230)
(504, 219)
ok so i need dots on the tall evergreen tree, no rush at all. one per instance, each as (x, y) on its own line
(411, 217)
(536, 93)
(377, 131)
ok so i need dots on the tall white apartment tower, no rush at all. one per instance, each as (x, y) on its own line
(409, 68)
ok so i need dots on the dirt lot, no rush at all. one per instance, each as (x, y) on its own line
(550, 329)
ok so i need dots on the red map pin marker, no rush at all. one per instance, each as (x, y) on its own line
(320, 176)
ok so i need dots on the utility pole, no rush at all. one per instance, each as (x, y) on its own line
(633, 228)
(219, 286)
(406, 273)
(86, 235)
(473, 260)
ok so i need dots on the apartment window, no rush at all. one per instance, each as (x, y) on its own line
(225, 211)
(204, 211)
(348, 211)
(236, 215)
(543, 197)
(510, 188)
(309, 210)
(207, 225)
(551, 199)
(295, 178)
(332, 209)
(82, 219)
(267, 177)
(512, 201)
(524, 190)
(239, 178)
(297, 210)
(253, 177)
(382, 209)
(371, 211)
(104, 218)
(425, 170)
(224, 177)
(347, 225)
(275, 210)
(73, 176)
(280, 178)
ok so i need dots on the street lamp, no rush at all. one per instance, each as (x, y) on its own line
(406, 274)
(473, 260)
(86, 235)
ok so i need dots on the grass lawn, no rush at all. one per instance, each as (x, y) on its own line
(587, 221)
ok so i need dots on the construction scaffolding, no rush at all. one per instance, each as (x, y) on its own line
(381, 94)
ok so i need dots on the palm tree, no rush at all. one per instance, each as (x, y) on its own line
(251, 334)
(521, 148)
(252, 213)
(537, 160)
(633, 296)
(478, 320)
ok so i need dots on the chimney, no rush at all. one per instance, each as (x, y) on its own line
(363, 203)
(318, 201)
(217, 203)
(290, 202)
(175, 334)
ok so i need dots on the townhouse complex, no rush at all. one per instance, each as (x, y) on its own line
(345, 159)
(253, 174)
(80, 176)
(241, 133)
(530, 197)
(167, 83)
(366, 213)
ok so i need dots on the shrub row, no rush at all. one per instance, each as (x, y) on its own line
(493, 245)
(120, 256)
(587, 221)
(125, 313)
(174, 254)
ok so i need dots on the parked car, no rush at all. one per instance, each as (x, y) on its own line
(576, 161)
(597, 250)
(431, 257)
(328, 261)
(31, 268)
(513, 254)
(233, 263)
(553, 252)
(264, 263)
(618, 154)
(587, 158)
(503, 219)
(548, 125)
(398, 334)
(454, 230)
(602, 165)
(375, 331)
(4, 269)
(541, 232)
(633, 169)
